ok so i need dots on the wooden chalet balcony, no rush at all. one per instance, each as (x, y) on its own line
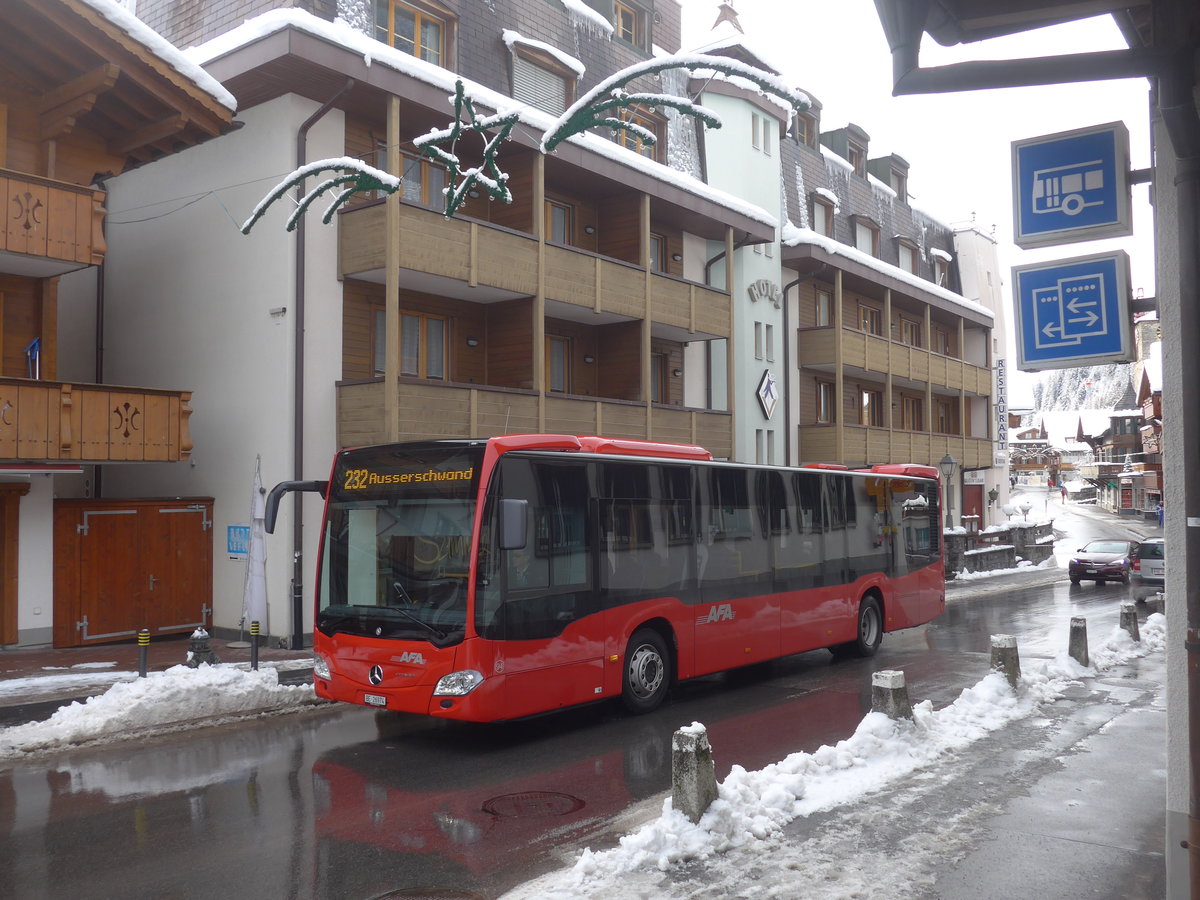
(51, 220)
(482, 254)
(816, 347)
(50, 421)
(818, 443)
(430, 411)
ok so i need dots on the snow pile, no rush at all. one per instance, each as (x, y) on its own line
(753, 807)
(175, 697)
(1023, 565)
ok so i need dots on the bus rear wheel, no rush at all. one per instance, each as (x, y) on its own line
(870, 631)
(647, 675)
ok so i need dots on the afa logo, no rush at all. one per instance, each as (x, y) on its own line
(417, 659)
(718, 612)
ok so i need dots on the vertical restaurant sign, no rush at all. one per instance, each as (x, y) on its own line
(1001, 456)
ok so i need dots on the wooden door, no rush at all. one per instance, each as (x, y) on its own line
(124, 565)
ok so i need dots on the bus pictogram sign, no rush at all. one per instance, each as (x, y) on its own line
(1072, 186)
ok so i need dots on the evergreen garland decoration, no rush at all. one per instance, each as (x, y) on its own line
(353, 172)
(594, 108)
(488, 174)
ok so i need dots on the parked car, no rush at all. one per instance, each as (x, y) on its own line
(1149, 568)
(1103, 561)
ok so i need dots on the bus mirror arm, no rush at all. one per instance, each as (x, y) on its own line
(286, 487)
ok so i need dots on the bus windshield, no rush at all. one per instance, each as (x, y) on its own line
(397, 542)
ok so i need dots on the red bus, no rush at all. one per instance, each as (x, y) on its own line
(486, 580)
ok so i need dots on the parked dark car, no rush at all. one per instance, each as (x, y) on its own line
(1102, 561)
(1149, 568)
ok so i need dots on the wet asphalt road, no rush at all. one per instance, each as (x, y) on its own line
(344, 802)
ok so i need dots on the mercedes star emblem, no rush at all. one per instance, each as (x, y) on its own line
(375, 676)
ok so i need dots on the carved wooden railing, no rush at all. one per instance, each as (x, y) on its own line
(51, 219)
(52, 421)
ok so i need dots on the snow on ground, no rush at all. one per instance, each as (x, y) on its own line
(169, 699)
(753, 807)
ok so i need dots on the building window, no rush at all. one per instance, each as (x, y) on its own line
(635, 141)
(941, 341)
(900, 185)
(540, 82)
(911, 414)
(423, 345)
(870, 408)
(945, 417)
(824, 307)
(910, 332)
(411, 29)
(769, 342)
(822, 216)
(870, 319)
(424, 182)
(659, 367)
(658, 253)
(825, 402)
(558, 363)
(941, 270)
(758, 340)
(379, 342)
(908, 257)
(857, 157)
(630, 24)
(866, 236)
(560, 227)
(806, 130)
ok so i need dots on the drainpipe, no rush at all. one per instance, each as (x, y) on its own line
(297, 640)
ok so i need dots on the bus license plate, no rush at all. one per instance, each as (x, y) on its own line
(374, 700)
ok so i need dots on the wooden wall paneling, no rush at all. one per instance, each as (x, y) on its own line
(360, 300)
(517, 215)
(10, 534)
(618, 230)
(619, 360)
(48, 328)
(33, 427)
(510, 343)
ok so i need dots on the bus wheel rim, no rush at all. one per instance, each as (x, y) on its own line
(869, 627)
(645, 671)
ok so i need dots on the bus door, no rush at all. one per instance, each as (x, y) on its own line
(737, 619)
(810, 595)
(550, 645)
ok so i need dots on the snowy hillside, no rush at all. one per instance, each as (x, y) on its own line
(1088, 387)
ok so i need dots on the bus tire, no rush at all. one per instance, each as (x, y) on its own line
(870, 630)
(647, 674)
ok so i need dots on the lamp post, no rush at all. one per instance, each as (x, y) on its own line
(947, 467)
(1008, 509)
(1025, 507)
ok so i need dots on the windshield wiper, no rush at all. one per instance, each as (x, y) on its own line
(437, 633)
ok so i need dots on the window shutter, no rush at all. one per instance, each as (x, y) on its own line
(538, 87)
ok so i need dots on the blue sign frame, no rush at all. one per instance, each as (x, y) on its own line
(1072, 186)
(1073, 312)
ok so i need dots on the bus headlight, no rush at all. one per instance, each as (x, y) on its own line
(458, 684)
(321, 668)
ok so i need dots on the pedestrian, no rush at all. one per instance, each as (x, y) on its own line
(1064, 493)
(1160, 514)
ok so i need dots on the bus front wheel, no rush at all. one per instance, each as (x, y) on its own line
(647, 675)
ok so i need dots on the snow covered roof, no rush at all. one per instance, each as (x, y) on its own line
(792, 236)
(162, 48)
(1152, 367)
(374, 52)
(511, 37)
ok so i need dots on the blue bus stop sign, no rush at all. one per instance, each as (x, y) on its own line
(1073, 312)
(1072, 186)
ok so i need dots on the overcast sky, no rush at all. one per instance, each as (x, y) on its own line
(958, 145)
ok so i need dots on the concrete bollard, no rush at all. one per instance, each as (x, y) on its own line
(1005, 658)
(254, 645)
(889, 695)
(1078, 645)
(693, 778)
(1129, 621)
(199, 651)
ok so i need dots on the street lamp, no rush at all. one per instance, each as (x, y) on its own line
(1026, 506)
(1008, 509)
(947, 466)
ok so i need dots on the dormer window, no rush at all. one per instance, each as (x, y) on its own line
(856, 155)
(414, 28)
(629, 22)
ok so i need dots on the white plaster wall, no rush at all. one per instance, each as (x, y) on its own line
(189, 302)
(737, 168)
(35, 562)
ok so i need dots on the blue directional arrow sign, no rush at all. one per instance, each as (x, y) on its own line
(1072, 186)
(1073, 312)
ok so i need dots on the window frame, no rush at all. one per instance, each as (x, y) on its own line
(912, 414)
(910, 332)
(422, 368)
(828, 210)
(861, 224)
(914, 256)
(640, 24)
(566, 343)
(870, 315)
(532, 57)
(826, 409)
(552, 205)
(825, 293)
(420, 11)
(870, 407)
(649, 120)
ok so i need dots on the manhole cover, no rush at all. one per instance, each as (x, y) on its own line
(532, 803)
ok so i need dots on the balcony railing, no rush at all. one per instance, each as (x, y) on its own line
(51, 219)
(50, 421)
(863, 444)
(436, 411)
(482, 254)
(816, 347)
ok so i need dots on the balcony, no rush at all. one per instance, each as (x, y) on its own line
(431, 411)
(863, 444)
(49, 422)
(483, 255)
(868, 352)
(50, 227)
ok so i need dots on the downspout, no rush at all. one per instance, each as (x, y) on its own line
(297, 640)
(101, 275)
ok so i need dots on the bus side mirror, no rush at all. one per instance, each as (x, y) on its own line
(514, 515)
(286, 487)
